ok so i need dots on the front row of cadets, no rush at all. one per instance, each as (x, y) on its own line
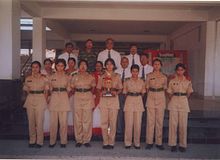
(82, 85)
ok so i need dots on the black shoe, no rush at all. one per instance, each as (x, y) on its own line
(182, 149)
(31, 145)
(52, 145)
(78, 144)
(39, 146)
(105, 146)
(149, 146)
(127, 147)
(173, 149)
(160, 147)
(110, 147)
(87, 145)
(137, 147)
(63, 145)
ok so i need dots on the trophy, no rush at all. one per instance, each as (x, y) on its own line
(107, 86)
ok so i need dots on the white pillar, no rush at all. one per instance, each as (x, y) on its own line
(217, 62)
(39, 39)
(10, 39)
(210, 69)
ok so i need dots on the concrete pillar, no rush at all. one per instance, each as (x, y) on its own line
(209, 88)
(39, 39)
(217, 62)
(10, 39)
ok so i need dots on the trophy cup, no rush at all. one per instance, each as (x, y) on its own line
(107, 86)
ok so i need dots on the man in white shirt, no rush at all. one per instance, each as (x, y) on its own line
(133, 57)
(145, 68)
(68, 53)
(125, 73)
(109, 52)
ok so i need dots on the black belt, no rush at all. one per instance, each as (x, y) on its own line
(134, 94)
(83, 89)
(59, 89)
(156, 89)
(111, 89)
(179, 94)
(36, 92)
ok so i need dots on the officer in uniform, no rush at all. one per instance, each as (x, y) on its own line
(156, 85)
(36, 86)
(134, 88)
(109, 85)
(179, 89)
(59, 104)
(83, 84)
(89, 55)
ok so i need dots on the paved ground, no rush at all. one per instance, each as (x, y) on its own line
(19, 149)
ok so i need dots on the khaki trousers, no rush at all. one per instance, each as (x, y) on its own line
(55, 118)
(178, 119)
(83, 125)
(155, 119)
(132, 124)
(35, 123)
(108, 125)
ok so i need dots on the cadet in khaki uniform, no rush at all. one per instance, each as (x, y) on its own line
(179, 89)
(59, 103)
(110, 86)
(156, 85)
(134, 87)
(83, 84)
(36, 85)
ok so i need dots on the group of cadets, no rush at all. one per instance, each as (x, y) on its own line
(121, 87)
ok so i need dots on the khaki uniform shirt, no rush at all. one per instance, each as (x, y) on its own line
(156, 99)
(59, 100)
(83, 100)
(179, 103)
(134, 103)
(35, 84)
(110, 102)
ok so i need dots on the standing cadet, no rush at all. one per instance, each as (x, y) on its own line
(109, 52)
(125, 73)
(89, 55)
(83, 84)
(110, 86)
(179, 89)
(156, 85)
(36, 87)
(59, 103)
(134, 88)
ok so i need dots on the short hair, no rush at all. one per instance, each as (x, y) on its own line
(99, 63)
(89, 40)
(180, 65)
(144, 54)
(37, 63)
(83, 60)
(109, 39)
(157, 60)
(111, 61)
(124, 58)
(133, 44)
(72, 59)
(135, 66)
(69, 44)
(48, 60)
(60, 61)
